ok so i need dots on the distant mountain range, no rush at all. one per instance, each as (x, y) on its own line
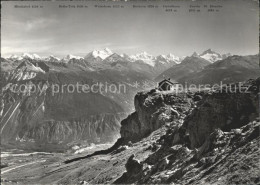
(197, 70)
(189, 65)
(101, 55)
(106, 59)
(229, 70)
(213, 56)
(153, 67)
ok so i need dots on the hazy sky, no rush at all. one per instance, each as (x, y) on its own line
(62, 31)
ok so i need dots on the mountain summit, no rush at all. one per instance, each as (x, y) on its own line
(31, 56)
(145, 57)
(25, 56)
(211, 56)
(99, 53)
(152, 60)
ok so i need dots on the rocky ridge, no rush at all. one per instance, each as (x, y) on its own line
(216, 143)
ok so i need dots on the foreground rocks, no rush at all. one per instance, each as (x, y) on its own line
(217, 143)
(224, 158)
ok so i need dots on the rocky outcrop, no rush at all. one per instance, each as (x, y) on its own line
(220, 110)
(224, 110)
(217, 143)
(152, 110)
(134, 169)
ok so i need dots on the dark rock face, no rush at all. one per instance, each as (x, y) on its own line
(133, 171)
(152, 110)
(133, 166)
(220, 110)
(132, 126)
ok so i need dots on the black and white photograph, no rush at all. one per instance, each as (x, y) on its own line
(130, 92)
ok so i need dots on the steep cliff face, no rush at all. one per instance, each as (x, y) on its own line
(152, 110)
(95, 129)
(32, 120)
(64, 118)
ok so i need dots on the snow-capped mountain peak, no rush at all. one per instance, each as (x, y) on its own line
(52, 58)
(15, 57)
(211, 56)
(100, 53)
(145, 57)
(142, 56)
(31, 56)
(25, 56)
(170, 57)
(151, 60)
